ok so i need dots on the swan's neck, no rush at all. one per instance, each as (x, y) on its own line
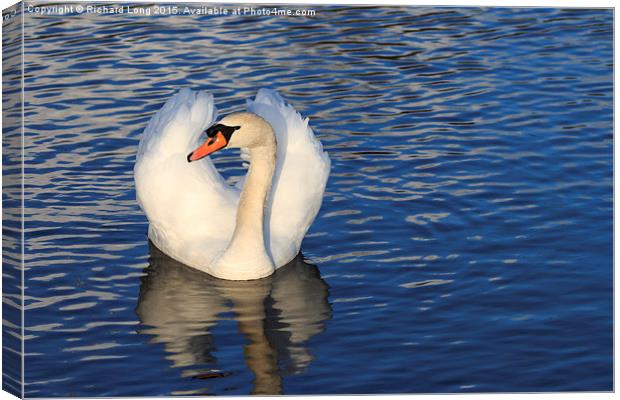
(251, 209)
(246, 254)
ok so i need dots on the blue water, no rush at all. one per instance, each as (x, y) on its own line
(465, 238)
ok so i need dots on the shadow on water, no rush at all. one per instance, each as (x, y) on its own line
(277, 315)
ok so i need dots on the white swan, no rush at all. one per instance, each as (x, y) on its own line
(196, 217)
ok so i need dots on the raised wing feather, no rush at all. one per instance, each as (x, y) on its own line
(301, 175)
(190, 208)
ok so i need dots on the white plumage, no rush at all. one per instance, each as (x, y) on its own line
(192, 211)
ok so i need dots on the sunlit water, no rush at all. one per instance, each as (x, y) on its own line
(465, 238)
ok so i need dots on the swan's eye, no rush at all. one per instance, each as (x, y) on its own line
(227, 131)
(211, 131)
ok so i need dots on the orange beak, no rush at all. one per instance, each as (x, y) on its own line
(210, 146)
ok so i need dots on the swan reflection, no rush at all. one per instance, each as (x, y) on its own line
(277, 315)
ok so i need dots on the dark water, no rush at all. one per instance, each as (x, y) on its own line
(465, 239)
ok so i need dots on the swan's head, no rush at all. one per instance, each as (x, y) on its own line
(242, 129)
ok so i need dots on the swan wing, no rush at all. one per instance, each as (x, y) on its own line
(302, 168)
(190, 207)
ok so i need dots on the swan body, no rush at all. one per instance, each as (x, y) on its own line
(239, 232)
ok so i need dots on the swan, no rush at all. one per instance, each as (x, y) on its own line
(236, 232)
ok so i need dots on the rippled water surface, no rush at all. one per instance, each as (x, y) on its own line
(465, 238)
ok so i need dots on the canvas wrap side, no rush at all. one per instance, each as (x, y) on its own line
(12, 204)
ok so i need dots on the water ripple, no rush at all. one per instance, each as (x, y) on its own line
(471, 161)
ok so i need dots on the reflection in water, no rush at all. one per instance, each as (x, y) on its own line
(277, 315)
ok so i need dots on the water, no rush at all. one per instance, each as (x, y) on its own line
(465, 238)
